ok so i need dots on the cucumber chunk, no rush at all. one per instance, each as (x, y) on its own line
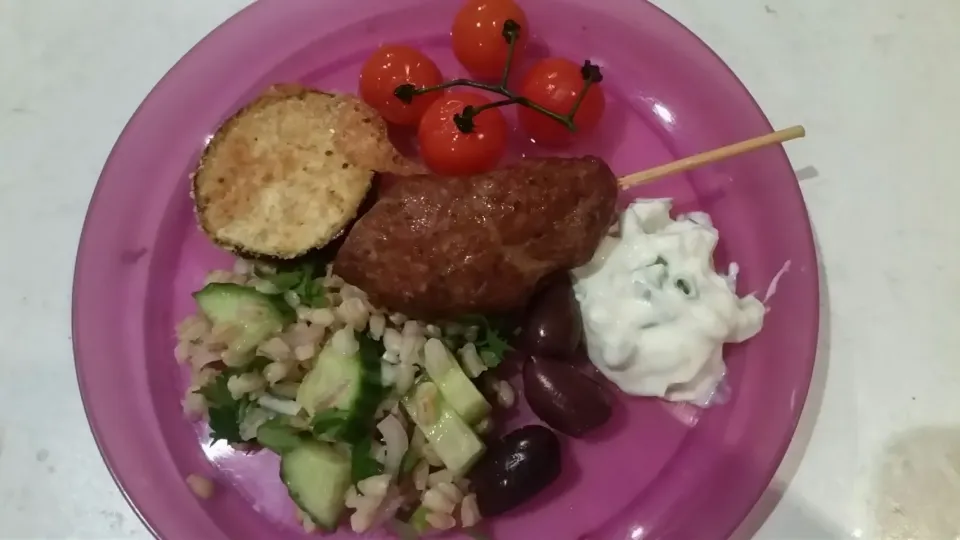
(278, 436)
(254, 315)
(341, 393)
(457, 446)
(457, 389)
(419, 520)
(317, 477)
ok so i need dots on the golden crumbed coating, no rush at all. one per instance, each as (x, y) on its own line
(366, 147)
(286, 173)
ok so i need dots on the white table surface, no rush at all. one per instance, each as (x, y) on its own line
(877, 84)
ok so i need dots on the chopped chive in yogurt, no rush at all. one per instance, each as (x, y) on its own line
(685, 287)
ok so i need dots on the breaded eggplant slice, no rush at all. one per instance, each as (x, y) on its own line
(288, 172)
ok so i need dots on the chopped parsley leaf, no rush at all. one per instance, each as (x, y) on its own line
(225, 412)
(490, 345)
(303, 281)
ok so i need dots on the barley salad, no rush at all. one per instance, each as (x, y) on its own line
(261, 349)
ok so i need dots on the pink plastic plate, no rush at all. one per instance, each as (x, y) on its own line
(657, 472)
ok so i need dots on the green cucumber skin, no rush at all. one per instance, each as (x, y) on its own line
(431, 431)
(467, 401)
(360, 405)
(281, 439)
(369, 393)
(419, 520)
(340, 482)
(459, 391)
(217, 300)
(278, 305)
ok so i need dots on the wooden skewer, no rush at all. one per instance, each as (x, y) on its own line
(711, 156)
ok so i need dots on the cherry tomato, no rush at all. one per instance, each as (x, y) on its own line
(449, 151)
(478, 40)
(389, 67)
(556, 83)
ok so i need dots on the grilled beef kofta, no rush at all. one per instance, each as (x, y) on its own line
(434, 247)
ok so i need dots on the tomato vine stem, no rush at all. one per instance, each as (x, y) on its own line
(465, 119)
(511, 33)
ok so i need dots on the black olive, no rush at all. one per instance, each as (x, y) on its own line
(553, 325)
(516, 468)
(567, 400)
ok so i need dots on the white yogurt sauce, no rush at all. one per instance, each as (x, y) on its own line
(655, 312)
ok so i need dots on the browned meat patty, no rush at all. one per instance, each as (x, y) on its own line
(437, 248)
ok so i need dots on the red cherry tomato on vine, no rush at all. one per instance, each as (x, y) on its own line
(389, 67)
(447, 150)
(556, 83)
(478, 40)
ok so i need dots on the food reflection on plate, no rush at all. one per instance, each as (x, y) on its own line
(366, 330)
